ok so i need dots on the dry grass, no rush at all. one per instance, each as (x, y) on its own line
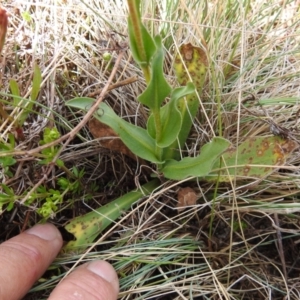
(253, 49)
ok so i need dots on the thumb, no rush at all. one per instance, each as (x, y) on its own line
(93, 281)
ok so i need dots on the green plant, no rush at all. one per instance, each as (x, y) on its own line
(50, 135)
(168, 126)
(19, 103)
(7, 197)
(8, 160)
(169, 122)
(50, 199)
(25, 104)
(172, 112)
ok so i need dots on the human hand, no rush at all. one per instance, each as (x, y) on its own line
(24, 259)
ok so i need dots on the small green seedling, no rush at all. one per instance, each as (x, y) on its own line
(50, 135)
(7, 160)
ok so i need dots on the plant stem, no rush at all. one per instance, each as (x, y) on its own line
(134, 16)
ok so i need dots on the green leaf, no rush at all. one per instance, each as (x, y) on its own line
(26, 104)
(7, 161)
(141, 43)
(171, 124)
(59, 163)
(10, 206)
(86, 228)
(83, 103)
(36, 83)
(255, 158)
(142, 55)
(170, 117)
(15, 91)
(134, 137)
(198, 166)
(7, 190)
(158, 88)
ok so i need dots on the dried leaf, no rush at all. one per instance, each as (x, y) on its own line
(110, 139)
(186, 197)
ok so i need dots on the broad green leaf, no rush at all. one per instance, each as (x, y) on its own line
(256, 157)
(158, 88)
(134, 137)
(86, 228)
(190, 64)
(36, 83)
(198, 166)
(170, 117)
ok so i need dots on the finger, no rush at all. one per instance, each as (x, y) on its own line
(24, 259)
(93, 281)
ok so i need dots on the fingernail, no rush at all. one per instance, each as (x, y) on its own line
(104, 270)
(46, 232)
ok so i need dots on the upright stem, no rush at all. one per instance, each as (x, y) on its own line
(134, 17)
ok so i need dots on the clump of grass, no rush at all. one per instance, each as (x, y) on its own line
(247, 245)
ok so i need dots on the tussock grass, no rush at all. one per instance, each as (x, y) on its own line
(241, 239)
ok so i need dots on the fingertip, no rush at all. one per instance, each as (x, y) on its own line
(25, 257)
(94, 281)
(106, 271)
(46, 232)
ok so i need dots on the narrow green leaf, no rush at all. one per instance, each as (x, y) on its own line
(158, 88)
(198, 166)
(86, 228)
(188, 106)
(7, 190)
(15, 91)
(36, 83)
(26, 104)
